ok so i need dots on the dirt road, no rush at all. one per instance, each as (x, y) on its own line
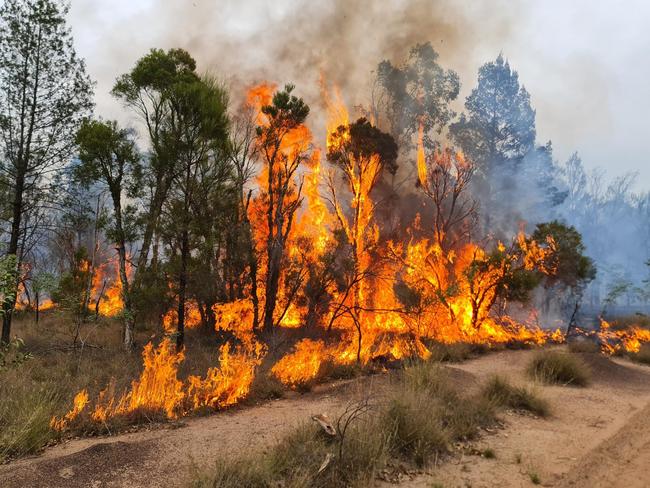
(597, 436)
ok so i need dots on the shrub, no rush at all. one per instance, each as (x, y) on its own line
(584, 346)
(559, 368)
(643, 356)
(25, 415)
(499, 391)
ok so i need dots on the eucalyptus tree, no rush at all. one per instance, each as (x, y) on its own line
(195, 135)
(151, 90)
(281, 156)
(108, 156)
(44, 94)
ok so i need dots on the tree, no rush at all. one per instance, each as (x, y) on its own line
(499, 127)
(361, 152)
(447, 176)
(283, 151)
(44, 93)
(416, 93)
(565, 267)
(108, 155)
(195, 135)
(149, 90)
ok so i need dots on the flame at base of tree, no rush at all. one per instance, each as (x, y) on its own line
(388, 298)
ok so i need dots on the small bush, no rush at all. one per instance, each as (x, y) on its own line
(643, 356)
(237, 473)
(489, 453)
(425, 413)
(418, 431)
(455, 352)
(558, 368)
(584, 346)
(534, 478)
(502, 393)
(25, 415)
(265, 387)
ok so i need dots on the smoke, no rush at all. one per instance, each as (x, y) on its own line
(288, 41)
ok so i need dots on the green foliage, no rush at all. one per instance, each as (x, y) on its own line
(417, 91)
(12, 354)
(8, 280)
(499, 128)
(559, 368)
(25, 414)
(365, 141)
(70, 293)
(568, 264)
(286, 112)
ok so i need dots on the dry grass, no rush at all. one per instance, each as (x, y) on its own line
(46, 384)
(584, 346)
(499, 391)
(643, 356)
(418, 421)
(559, 368)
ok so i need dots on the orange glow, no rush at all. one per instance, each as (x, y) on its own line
(158, 390)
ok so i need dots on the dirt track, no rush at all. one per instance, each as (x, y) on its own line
(598, 436)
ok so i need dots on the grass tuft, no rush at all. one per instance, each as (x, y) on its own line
(559, 368)
(643, 356)
(499, 391)
(25, 415)
(584, 346)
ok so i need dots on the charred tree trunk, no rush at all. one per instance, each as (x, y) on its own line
(182, 290)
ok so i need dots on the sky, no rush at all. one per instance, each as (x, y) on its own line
(585, 63)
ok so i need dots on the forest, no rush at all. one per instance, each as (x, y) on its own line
(236, 240)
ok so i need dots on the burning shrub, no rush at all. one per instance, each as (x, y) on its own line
(559, 368)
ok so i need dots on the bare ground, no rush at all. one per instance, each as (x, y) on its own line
(597, 436)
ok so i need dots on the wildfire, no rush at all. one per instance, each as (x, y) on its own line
(158, 390)
(397, 293)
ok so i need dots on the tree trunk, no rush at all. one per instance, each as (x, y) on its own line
(8, 305)
(182, 289)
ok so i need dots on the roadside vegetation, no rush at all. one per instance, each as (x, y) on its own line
(416, 421)
(554, 367)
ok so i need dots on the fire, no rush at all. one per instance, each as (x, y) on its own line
(159, 390)
(421, 160)
(392, 297)
(107, 289)
(79, 403)
(629, 339)
(302, 365)
(192, 317)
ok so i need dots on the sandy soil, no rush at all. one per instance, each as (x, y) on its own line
(597, 436)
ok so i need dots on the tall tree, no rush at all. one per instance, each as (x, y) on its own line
(195, 135)
(417, 92)
(499, 127)
(283, 151)
(44, 93)
(108, 155)
(150, 90)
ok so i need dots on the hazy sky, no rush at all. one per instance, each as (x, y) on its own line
(584, 62)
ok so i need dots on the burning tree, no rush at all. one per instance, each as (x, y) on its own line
(361, 152)
(283, 143)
